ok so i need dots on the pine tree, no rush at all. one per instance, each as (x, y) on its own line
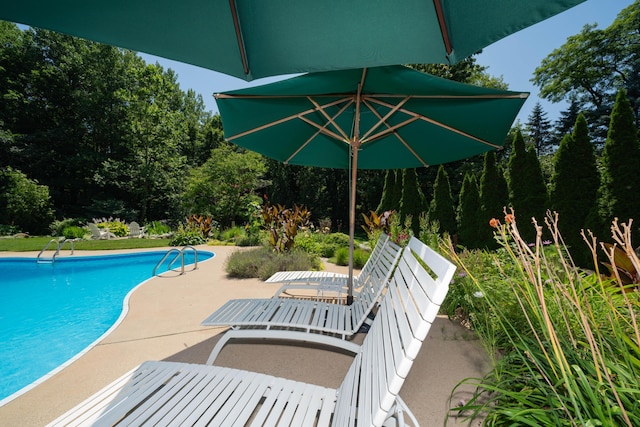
(567, 120)
(527, 189)
(391, 194)
(413, 201)
(441, 208)
(620, 183)
(574, 187)
(539, 128)
(469, 214)
(494, 196)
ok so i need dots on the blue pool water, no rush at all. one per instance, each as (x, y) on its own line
(51, 312)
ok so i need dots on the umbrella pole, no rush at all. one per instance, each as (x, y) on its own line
(355, 146)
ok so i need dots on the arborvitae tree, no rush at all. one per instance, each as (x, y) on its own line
(620, 184)
(574, 187)
(494, 196)
(391, 192)
(413, 201)
(469, 214)
(527, 190)
(441, 208)
(539, 128)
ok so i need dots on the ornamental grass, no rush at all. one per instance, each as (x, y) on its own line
(565, 342)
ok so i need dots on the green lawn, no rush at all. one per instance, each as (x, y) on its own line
(37, 243)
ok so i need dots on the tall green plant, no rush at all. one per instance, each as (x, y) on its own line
(441, 208)
(283, 224)
(494, 196)
(620, 184)
(469, 214)
(527, 189)
(572, 349)
(413, 202)
(574, 187)
(390, 200)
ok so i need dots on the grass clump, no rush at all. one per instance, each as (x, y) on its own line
(263, 262)
(566, 343)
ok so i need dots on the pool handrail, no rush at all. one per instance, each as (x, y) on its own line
(180, 254)
(60, 241)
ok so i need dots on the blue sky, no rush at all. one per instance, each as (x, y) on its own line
(514, 58)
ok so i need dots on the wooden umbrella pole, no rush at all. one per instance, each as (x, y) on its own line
(355, 147)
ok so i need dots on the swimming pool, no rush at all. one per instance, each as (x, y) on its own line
(49, 313)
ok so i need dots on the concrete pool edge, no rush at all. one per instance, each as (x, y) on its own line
(104, 335)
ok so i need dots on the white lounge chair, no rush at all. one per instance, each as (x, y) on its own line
(99, 234)
(325, 285)
(303, 319)
(170, 393)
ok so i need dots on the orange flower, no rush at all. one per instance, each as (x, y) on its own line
(494, 223)
(509, 218)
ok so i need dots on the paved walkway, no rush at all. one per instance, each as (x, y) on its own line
(163, 323)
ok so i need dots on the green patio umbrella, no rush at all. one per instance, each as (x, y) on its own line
(257, 38)
(377, 118)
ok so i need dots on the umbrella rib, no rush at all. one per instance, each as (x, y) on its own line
(329, 118)
(397, 135)
(236, 24)
(322, 129)
(382, 119)
(284, 119)
(418, 116)
(443, 26)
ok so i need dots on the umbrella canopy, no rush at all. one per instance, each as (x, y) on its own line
(256, 38)
(378, 118)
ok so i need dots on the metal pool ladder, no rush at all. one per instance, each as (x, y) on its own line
(60, 243)
(179, 256)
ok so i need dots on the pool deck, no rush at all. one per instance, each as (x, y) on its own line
(163, 323)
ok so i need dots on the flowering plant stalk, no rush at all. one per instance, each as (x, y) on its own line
(570, 353)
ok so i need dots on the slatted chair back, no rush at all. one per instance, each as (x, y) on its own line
(374, 283)
(369, 392)
(370, 266)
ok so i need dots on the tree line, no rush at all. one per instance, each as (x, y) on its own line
(106, 134)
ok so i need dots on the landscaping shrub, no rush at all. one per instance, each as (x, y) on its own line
(282, 224)
(232, 234)
(116, 226)
(74, 232)
(205, 224)
(310, 242)
(263, 262)
(360, 257)
(57, 227)
(331, 242)
(157, 228)
(187, 235)
(8, 230)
